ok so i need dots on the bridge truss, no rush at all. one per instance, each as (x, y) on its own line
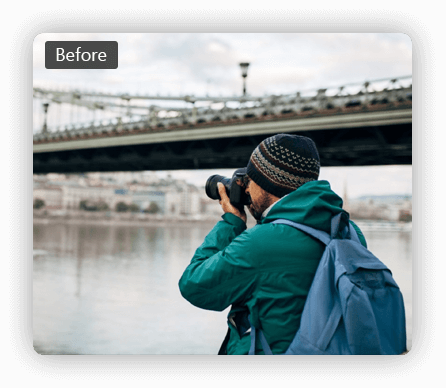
(358, 124)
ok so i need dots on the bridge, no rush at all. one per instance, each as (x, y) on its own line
(352, 125)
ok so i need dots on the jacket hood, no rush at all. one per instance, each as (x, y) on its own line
(313, 204)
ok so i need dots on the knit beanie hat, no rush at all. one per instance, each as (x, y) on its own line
(282, 163)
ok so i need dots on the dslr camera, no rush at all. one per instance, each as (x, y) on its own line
(236, 193)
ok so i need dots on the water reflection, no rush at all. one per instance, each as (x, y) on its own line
(114, 289)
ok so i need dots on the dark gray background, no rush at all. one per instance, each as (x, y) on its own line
(108, 47)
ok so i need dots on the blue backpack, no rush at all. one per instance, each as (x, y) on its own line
(354, 306)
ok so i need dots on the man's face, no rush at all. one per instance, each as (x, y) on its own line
(260, 199)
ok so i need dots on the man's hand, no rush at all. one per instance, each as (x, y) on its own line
(227, 206)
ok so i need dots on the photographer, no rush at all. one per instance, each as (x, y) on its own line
(265, 272)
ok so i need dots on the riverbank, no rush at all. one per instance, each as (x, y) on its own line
(144, 219)
(115, 218)
(383, 226)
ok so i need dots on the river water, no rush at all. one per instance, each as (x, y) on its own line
(111, 289)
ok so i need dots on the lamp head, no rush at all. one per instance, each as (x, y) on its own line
(244, 67)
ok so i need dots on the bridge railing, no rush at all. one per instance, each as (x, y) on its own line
(270, 107)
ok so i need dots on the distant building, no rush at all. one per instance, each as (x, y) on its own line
(145, 198)
(182, 199)
(172, 197)
(390, 208)
(52, 196)
(173, 200)
(73, 195)
(190, 200)
(125, 177)
(120, 195)
(210, 207)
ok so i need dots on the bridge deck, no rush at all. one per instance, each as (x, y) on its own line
(374, 135)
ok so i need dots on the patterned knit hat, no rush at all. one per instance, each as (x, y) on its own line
(282, 163)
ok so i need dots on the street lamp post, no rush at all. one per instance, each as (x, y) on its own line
(45, 109)
(244, 67)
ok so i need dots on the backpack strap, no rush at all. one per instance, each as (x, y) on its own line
(263, 341)
(353, 234)
(325, 238)
(336, 224)
(349, 231)
(318, 234)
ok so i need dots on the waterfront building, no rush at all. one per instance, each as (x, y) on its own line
(210, 207)
(190, 201)
(182, 199)
(148, 197)
(52, 196)
(73, 195)
(388, 208)
(120, 195)
(172, 197)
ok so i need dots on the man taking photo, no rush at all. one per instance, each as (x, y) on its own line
(265, 272)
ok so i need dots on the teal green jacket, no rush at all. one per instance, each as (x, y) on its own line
(265, 271)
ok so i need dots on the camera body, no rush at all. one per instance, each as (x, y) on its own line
(236, 192)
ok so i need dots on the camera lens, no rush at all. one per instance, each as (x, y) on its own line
(211, 186)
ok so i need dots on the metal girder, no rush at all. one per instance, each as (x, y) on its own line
(354, 120)
(355, 146)
(360, 137)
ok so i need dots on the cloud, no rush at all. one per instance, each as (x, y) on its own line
(367, 56)
(284, 79)
(200, 63)
(113, 79)
(333, 59)
(200, 56)
(129, 57)
(369, 180)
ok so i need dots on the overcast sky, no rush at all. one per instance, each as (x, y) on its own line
(207, 63)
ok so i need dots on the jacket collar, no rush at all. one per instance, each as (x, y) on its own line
(266, 211)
